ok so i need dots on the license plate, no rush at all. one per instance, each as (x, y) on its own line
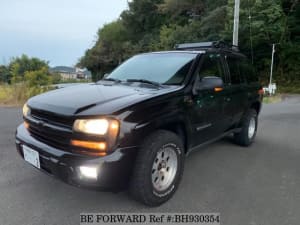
(31, 156)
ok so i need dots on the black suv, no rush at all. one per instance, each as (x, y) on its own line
(134, 127)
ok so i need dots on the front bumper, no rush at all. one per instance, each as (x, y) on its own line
(114, 170)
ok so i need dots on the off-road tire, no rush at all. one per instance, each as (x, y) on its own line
(242, 138)
(141, 186)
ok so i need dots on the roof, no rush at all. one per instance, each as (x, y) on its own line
(63, 69)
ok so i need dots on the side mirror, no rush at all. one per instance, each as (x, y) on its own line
(106, 75)
(210, 83)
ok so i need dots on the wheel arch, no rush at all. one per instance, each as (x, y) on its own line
(179, 128)
(176, 124)
(256, 106)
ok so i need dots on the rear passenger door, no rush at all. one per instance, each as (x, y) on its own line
(235, 100)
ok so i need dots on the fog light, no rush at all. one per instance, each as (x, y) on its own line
(88, 172)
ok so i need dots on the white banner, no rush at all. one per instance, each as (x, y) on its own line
(149, 218)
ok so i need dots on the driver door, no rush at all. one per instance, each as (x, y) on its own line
(207, 110)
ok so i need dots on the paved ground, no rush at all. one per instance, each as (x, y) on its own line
(259, 185)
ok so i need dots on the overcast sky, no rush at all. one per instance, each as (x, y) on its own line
(58, 31)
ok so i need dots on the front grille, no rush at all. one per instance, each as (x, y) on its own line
(56, 140)
(51, 118)
(52, 130)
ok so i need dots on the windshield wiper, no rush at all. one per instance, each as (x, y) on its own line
(112, 79)
(145, 81)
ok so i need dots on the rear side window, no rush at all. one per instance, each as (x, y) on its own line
(248, 71)
(234, 69)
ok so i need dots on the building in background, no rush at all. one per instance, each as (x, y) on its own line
(71, 73)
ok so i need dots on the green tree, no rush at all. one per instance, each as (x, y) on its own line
(38, 78)
(19, 65)
(150, 25)
(289, 57)
(4, 74)
(37, 82)
(109, 50)
(261, 24)
(208, 28)
(142, 17)
(55, 77)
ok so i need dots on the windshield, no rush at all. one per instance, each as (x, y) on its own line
(163, 68)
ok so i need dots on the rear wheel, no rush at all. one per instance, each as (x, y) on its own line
(158, 169)
(249, 127)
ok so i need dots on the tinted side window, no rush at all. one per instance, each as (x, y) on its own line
(211, 66)
(233, 64)
(248, 72)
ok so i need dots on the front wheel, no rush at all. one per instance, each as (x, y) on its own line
(158, 170)
(249, 127)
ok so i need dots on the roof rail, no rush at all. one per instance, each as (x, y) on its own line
(200, 45)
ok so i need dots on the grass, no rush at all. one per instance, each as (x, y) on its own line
(295, 89)
(18, 94)
(283, 88)
(272, 99)
(7, 95)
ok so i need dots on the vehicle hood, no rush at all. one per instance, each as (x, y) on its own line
(93, 99)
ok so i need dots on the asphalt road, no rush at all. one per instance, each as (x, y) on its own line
(259, 185)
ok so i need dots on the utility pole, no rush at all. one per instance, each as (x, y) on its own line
(235, 39)
(272, 65)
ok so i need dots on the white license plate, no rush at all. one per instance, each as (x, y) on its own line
(31, 156)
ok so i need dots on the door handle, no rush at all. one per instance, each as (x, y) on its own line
(227, 99)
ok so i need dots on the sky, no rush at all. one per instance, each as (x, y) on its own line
(58, 31)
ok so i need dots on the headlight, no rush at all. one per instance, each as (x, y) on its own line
(95, 126)
(26, 110)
